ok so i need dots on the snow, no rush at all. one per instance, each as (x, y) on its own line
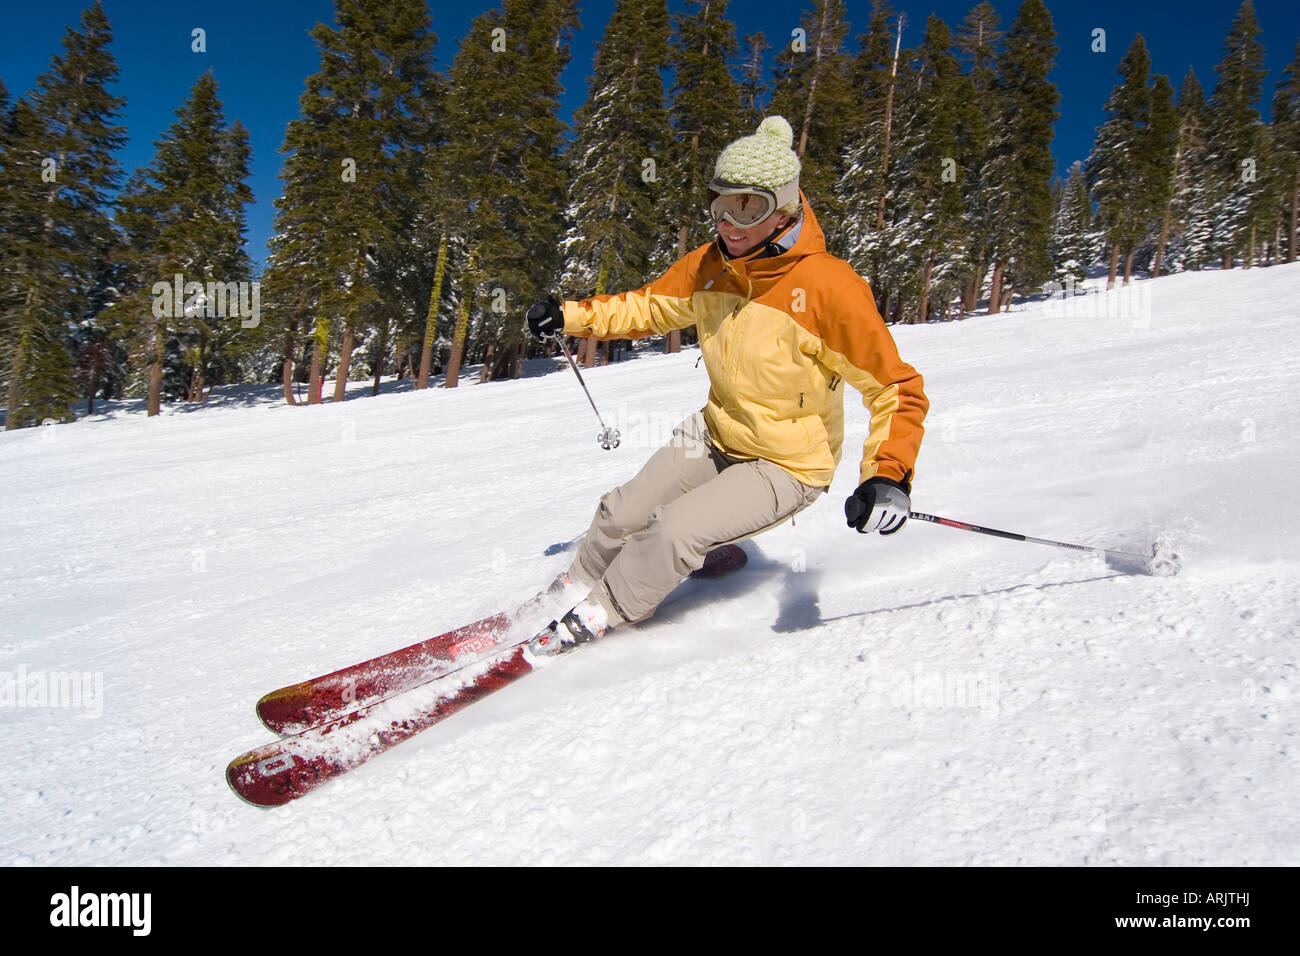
(935, 697)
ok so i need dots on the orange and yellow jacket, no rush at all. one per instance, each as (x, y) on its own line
(779, 334)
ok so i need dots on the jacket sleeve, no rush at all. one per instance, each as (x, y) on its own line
(857, 346)
(654, 309)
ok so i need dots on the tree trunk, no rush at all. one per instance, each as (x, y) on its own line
(485, 370)
(431, 322)
(382, 348)
(995, 289)
(925, 288)
(1250, 259)
(287, 371)
(462, 327)
(1295, 214)
(1160, 246)
(971, 294)
(897, 313)
(319, 356)
(197, 372)
(1114, 265)
(345, 362)
(889, 119)
(14, 396)
(453, 363)
(812, 85)
(1128, 265)
(153, 402)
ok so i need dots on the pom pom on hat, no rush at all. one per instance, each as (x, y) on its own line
(779, 129)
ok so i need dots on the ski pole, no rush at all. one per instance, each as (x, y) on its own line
(1150, 562)
(608, 437)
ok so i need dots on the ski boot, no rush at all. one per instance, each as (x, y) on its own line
(582, 625)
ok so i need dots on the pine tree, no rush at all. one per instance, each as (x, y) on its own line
(705, 115)
(752, 88)
(60, 169)
(507, 180)
(184, 215)
(1072, 229)
(615, 212)
(862, 186)
(931, 152)
(978, 43)
(350, 164)
(1019, 168)
(1236, 137)
(1192, 200)
(1130, 171)
(812, 90)
(1112, 166)
(430, 238)
(1159, 163)
(1286, 136)
(8, 227)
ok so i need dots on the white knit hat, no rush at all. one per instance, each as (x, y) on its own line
(765, 159)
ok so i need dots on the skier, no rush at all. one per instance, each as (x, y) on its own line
(781, 325)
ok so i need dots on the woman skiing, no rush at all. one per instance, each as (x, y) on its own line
(782, 324)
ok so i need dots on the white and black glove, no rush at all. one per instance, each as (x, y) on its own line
(879, 504)
(546, 319)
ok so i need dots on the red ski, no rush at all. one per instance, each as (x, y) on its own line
(287, 768)
(355, 730)
(293, 709)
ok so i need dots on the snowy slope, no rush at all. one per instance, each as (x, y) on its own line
(934, 697)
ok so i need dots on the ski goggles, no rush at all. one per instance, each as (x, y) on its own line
(745, 206)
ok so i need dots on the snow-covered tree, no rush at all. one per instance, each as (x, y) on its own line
(616, 209)
(1018, 171)
(59, 171)
(1236, 138)
(184, 214)
(352, 163)
(1072, 242)
(812, 91)
(1286, 137)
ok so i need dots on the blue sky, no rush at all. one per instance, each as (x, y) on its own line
(260, 54)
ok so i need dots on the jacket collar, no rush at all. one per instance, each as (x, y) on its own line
(766, 265)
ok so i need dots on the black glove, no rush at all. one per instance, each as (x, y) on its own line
(879, 504)
(546, 319)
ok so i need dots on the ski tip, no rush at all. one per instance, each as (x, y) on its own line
(277, 709)
(243, 776)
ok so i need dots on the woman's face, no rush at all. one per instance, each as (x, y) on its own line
(740, 240)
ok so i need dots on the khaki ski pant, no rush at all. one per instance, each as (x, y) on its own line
(650, 533)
